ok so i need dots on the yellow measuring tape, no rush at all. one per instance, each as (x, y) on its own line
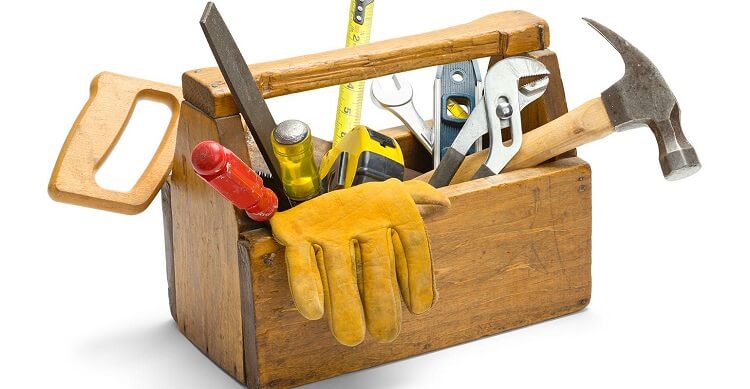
(349, 107)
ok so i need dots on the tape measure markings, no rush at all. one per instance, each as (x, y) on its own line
(349, 108)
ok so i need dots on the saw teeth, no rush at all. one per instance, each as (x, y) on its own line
(263, 175)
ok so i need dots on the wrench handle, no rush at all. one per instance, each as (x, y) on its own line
(413, 121)
(483, 172)
(448, 167)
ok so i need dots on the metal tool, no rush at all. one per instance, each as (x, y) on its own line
(455, 85)
(362, 156)
(245, 91)
(399, 102)
(499, 108)
(349, 107)
(640, 98)
(292, 146)
(234, 180)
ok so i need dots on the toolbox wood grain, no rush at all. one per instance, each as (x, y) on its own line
(205, 228)
(552, 104)
(527, 259)
(166, 206)
(505, 34)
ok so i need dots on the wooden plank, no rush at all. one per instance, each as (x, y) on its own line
(205, 231)
(416, 157)
(553, 103)
(249, 345)
(526, 259)
(166, 210)
(505, 33)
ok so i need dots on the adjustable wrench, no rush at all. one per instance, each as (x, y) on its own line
(400, 104)
(500, 108)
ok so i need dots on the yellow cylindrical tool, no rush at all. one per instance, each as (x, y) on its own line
(292, 146)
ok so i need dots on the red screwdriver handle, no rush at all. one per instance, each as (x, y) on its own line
(233, 179)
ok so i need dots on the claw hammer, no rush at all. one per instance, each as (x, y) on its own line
(640, 97)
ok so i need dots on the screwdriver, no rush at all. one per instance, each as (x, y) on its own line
(234, 180)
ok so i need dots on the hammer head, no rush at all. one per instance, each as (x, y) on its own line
(642, 97)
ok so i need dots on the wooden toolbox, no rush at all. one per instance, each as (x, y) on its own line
(514, 249)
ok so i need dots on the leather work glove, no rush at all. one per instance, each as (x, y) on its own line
(349, 252)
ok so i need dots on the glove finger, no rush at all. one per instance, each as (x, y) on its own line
(414, 267)
(342, 301)
(304, 280)
(381, 300)
(430, 201)
(424, 193)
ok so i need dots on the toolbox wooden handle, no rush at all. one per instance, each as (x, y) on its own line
(500, 34)
(580, 126)
(95, 133)
(113, 97)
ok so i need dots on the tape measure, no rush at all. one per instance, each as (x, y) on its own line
(362, 156)
(349, 107)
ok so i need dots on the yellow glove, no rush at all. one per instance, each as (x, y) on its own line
(350, 251)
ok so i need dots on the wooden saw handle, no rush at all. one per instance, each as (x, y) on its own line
(95, 133)
(582, 125)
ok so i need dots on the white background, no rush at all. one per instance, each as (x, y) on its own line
(83, 292)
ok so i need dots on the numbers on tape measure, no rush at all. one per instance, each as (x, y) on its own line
(350, 94)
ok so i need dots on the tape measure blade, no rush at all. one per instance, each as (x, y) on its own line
(349, 109)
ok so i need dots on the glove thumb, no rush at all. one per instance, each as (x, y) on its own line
(430, 201)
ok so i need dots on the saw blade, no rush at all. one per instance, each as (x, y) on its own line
(245, 91)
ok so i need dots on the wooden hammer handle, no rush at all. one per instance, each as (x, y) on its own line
(96, 132)
(582, 125)
(500, 34)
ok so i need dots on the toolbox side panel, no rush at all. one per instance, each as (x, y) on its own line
(166, 209)
(205, 229)
(514, 249)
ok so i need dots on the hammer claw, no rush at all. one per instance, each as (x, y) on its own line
(642, 97)
(618, 42)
